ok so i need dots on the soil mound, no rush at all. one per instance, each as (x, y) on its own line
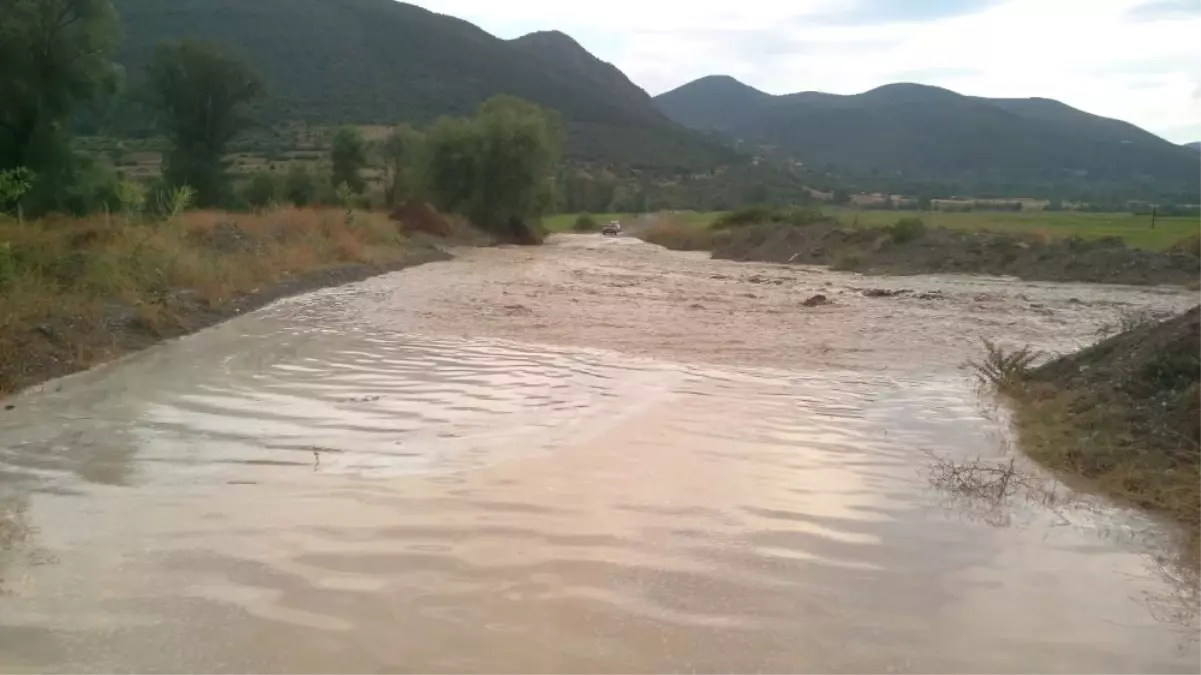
(911, 248)
(1154, 366)
(1126, 411)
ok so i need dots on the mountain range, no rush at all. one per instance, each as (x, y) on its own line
(928, 133)
(383, 62)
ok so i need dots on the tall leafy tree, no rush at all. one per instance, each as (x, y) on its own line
(496, 168)
(348, 158)
(202, 96)
(398, 150)
(54, 56)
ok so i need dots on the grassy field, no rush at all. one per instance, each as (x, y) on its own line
(1135, 230)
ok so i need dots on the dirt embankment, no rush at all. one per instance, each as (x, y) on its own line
(1126, 412)
(74, 294)
(70, 342)
(915, 249)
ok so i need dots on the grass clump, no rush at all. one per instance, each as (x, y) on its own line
(906, 230)
(585, 223)
(1190, 245)
(1003, 369)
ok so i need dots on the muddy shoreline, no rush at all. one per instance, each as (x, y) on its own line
(1124, 413)
(911, 248)
(70, 344)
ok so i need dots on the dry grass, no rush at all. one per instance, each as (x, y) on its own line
(1079, 434)
(66, 283)
(673, 233)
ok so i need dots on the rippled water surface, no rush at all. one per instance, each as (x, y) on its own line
(595, 456)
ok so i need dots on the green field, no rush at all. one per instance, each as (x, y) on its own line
(1135, 230)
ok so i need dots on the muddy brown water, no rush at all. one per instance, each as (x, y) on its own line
(592, 456)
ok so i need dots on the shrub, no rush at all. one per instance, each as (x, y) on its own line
(262, 190)
(759, 215)
(584, 223)
(14, 183)
(1003, 369)
(348, 159)
(300, 187)
(906, 230)
(495, 168)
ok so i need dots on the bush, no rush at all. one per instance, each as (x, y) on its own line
(759, 215)
(906, 230)
(1190, 245)
(348, 159)
(261, 191)
(300, 187)
(584, 223)
(14, 183)
(1005, 370)
(496, 167)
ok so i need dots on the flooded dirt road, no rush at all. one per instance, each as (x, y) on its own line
(593, 456)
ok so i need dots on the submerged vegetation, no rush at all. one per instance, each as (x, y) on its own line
(1003, 369)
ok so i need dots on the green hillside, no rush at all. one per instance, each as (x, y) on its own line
(910, 134)
(382, 62)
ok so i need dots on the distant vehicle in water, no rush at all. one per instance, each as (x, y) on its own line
(612, 229)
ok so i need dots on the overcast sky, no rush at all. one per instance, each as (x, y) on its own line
(1137, 60)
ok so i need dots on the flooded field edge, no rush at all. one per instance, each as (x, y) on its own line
(69, 345)
(1122, 413)
(593, 456)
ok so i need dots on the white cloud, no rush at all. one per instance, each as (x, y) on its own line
(1119, 58)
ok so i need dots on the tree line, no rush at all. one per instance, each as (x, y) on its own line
(496, 167)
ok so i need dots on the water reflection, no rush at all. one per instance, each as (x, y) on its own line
(1007, 492)
(319, 487)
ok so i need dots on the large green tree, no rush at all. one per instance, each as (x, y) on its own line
(202, 96)
(54, 56)
(497, 167)
(348, 158)
(397, 151)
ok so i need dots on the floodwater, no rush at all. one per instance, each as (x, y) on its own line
(593, 456)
